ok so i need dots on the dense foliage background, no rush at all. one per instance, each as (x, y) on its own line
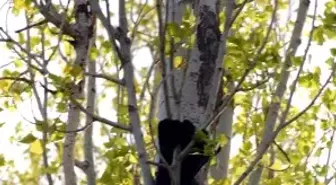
(41, 76)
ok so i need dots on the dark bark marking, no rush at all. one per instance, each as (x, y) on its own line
(82, 8)
(131, 108)
(208, 36)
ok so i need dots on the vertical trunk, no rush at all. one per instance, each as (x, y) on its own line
(173, 79)
(45, 120)
(199, 79)
(281, 87)
(220, 170)
(125, 48)
(88, 144)
(195, 91)
(124, 54)
(82, 45)
(43, 106)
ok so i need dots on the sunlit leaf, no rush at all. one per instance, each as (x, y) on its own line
(36, 147)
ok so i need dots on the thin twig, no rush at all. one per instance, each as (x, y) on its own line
(98, 118)
(312, 102)
(32, 25)
(107, 77)
(229, 97)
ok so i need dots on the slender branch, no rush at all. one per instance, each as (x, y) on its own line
(139, 18)
(326, 180)
(283, 119)
(107, 77)
(32, 25)
(75, 131)
(256, 85)
(227, 99)
(113, 34)
(98, 118)
(125, 46)
(51, 15)
(312, 102)
(18, 79)
(60, 35)
(272, 136)
(282, 151)
(241, 7)
(40, 105)
(146, 84)
(28, 53)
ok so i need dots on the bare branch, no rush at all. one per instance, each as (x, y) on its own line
(256, 85)
(28, 53)
(113, 34)
(31, 26)
(98, 118)
(17, 79)
(240, 8)
(51, 15)
(107, 77)
(269, 135)
(227, 99)
(312, 102)
(284, 116)
(125, 47)
(326, 180)
(83, 165)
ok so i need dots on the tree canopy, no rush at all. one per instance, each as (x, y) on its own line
(84, 83)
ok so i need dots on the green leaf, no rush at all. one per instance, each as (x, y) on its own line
(333, 51)
(133, 159)
(106, 178)
(318, 152)
(36, 147)
(30, 138)
(34, 41)
(174, 30)
(94, 53)
(318, 35)
(222, 140)
(2, 160)
(297, 60)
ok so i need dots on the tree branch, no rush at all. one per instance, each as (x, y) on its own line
(107, 77)
(51, 15)
(97, 118)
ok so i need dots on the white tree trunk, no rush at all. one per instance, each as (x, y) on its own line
(198, 80)
(82, 45)
(88, 144)
(273, 112)
(195, 91)
(220, 170)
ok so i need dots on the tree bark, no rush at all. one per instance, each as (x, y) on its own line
(273, 111)
(88, 144)
(82, 46)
